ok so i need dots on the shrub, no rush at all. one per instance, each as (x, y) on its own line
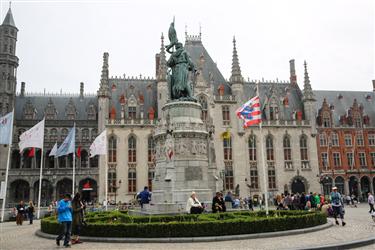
(117, 224)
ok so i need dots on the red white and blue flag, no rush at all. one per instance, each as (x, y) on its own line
(250, 112)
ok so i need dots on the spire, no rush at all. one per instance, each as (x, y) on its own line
(308, 94)
(293, 76)
(236, 76)
(104, 80)
(162, 72)
(8, 20)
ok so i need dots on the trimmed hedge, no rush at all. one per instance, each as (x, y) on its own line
(120, 224)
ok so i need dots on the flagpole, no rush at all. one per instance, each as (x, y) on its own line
(40, 174)
(40, 182)
(74, 160)
(7, 169)
(106, 180)
(263, 160)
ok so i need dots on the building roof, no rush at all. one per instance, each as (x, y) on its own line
(8, 20)
(60, 102)
(342, 101)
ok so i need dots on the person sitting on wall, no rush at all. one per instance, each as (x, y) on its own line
(144, 196)
(193, 206)
(218, 204)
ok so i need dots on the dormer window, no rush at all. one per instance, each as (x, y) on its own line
(326, 120)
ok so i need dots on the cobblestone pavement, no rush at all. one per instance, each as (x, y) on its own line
(359, 226)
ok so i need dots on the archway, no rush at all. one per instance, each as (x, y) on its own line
(46, 192)
(63, 186)
(327, 185)
(298, 186)
(89, 189)
(353, 186)
(19, 190)
(365, 187)
(339, 183)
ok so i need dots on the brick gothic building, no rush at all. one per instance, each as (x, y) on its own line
(346, 140)
(128, 109)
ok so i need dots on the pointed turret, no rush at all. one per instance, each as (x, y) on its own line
(104, 80)
(236, 76)
(162, 71)
(307, 90)
(8, 20)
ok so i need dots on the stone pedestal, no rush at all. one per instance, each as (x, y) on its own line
(182, 162)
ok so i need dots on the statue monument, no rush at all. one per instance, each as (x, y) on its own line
(181, 66)
(182, 140)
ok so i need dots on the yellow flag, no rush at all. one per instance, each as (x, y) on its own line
(225, 135)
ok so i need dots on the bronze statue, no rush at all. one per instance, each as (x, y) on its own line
(181, 66)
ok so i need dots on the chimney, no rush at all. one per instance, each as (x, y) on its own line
(373, 85)
(81, 90)
(293, 76)
(22, 89)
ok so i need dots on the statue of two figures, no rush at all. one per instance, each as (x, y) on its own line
(183, 71)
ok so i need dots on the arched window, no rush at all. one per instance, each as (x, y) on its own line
(227, 143)
(84, 159)
(269, 148)
(287, 152)
(203, 103)
(27, 160)
(151, 175)
(252, 148)
(150, 149)
(112, 180)
(303, 150)
(53, 135)
(112, 150)
(132, 149)
(94, 133)
(49, 160)
(16, 159)
(85, 134)
(132, 181)
(94, 161)
(64, 133)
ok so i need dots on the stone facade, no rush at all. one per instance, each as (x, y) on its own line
(130, 108)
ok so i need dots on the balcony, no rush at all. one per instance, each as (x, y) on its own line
(288, 165)
(305, 165)
(131, 122)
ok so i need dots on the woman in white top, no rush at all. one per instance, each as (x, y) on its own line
(193, 205)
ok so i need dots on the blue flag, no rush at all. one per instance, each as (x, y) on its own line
(69, 145)
(6, 123)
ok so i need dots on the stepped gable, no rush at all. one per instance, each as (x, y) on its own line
(281, 90)
(133, 87)
(60, 102)
(342, 101)
(195, 49)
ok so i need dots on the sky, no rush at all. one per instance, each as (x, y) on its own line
(61, 43)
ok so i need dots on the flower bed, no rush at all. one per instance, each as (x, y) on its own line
(120, 224)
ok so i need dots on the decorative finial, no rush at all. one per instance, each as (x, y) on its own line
(186, 33)
(200, 30)
(234, 40)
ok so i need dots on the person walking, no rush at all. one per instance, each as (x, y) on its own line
(64, 212)
(30, 212)
(193, 206)
(337, 206)
(144, 196)
(20, 213)
(371, 202)
(78, 213)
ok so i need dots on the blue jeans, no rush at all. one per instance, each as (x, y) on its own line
(66, 229)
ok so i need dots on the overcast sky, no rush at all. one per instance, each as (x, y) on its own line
(60, 43)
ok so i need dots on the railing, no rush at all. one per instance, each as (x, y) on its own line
(288, 165)
(225, 98)
(305, 165)
(131, 122)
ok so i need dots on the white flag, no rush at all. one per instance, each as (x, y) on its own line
(6, 123)
(32, 138)
(53, 150)
(99, 146)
